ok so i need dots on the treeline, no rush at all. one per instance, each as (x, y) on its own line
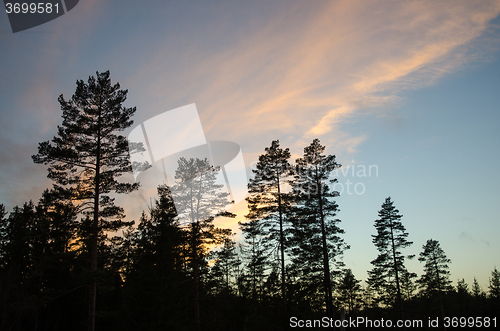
(70, 262)
(145, 278)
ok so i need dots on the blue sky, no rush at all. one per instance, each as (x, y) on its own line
(408, 87)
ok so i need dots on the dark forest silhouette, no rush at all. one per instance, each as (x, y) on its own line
(64, 264)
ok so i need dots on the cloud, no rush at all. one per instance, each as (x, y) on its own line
(307, 71)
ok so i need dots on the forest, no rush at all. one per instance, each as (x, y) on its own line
(71, 262)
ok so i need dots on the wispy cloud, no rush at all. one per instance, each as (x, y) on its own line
(311, 69)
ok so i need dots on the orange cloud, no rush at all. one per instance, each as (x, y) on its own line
(303, 73)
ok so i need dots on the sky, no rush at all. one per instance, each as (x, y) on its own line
(406, 89)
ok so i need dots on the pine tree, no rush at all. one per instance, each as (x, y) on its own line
(268, 201)
(315, 233)
(388, 267)
(87, 156)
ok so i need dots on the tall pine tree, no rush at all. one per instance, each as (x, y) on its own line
(388, 267)
(87, 156)
(269, 202)
(317, 245)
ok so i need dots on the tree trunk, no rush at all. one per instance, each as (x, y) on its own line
(95, 233)
(195, 278)
(397, 276)
(326, 260)
(282, 247)
(439, 288)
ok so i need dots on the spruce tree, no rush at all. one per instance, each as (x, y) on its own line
(349, 291)
(157, 287)
(478, 304)
(224, 269)
(24, 245)
(317, 245)
(86, 157)
(60, 214)
(255, 258)
(255, 251)
(462, 298)
(494, 291)
(368, 294)
(462, 287)
(3, 234)
(436, 276)
(408, 286)
(19, 241)
(476, 289)
(388, 267)
(198, 200)
(494, 287)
